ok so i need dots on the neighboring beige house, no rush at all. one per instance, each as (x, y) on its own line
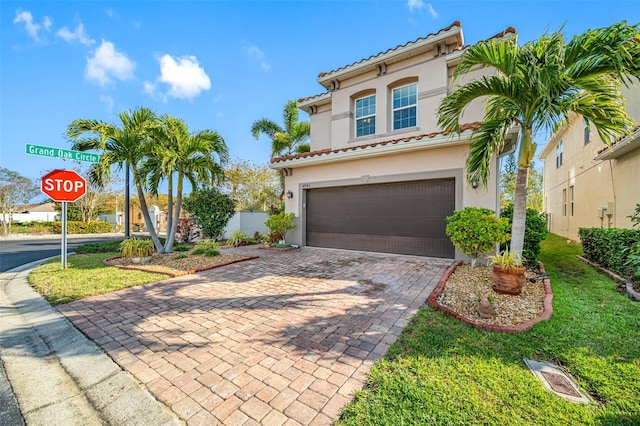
(381, 176)
(586, 183)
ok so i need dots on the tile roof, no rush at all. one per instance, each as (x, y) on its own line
(455, 24)
(635, 129)
(308, 98)
(320, 152)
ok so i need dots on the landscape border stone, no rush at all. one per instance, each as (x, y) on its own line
(545, 315)
(633, 294)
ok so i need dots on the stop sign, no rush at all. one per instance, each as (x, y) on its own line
(63, 185)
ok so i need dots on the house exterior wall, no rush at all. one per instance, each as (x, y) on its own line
(605, 192)
(446, 162)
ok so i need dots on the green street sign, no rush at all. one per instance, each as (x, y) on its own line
(66, 154)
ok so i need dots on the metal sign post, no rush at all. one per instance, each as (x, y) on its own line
(63, 254)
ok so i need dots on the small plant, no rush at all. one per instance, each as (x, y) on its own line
(207, 248)
(506, 260)
(184, 230)
(181, 256)
(272, 238)
(258, 237)
(137, 247)
(280, 223)
(237, 238)
(181, 248)
(474, 231)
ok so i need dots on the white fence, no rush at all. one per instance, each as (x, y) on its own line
(247, 222)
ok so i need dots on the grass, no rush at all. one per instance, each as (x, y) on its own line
(85, 276)
(442, 372)
(104, 247)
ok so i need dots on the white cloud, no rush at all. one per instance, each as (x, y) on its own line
(79, 34)
(107, 63)
(108, 101)
(186, 78)
(259, 55)
(33, 28)
(432, 11)
(414, 4)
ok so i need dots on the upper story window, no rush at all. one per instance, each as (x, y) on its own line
(587, 131)
(559, 155)
(366, 116)
(404, 106)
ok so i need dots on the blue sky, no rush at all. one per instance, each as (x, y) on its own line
(219, 64)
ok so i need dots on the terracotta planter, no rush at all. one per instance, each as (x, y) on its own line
(508, 281)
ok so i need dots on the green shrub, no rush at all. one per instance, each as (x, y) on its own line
(75, 227)
(181, 256)
(610, 247)
(207, 248)
(210, 209)
(237, 238)
(475, 231)
(280, 223)
(137, 247)
(258, 237)
(535, 232)
(181, 248)
(105, 247)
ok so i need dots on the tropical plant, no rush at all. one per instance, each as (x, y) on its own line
(210, 209)
(475, 231)
(136, 247)
(125, 147)
(505, 260)
(536, 86)
(280, 223)
(287, 140)
(236, 238)
(207, 248)
(178, 154)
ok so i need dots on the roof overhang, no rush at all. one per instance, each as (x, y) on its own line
(622, 147)
(314, 101)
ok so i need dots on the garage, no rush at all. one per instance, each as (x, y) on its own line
(396, 217)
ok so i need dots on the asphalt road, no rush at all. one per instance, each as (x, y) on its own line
(14, 253)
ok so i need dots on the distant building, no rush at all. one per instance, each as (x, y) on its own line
(45, 212)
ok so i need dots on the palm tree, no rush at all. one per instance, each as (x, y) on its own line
(125, 147)
(198, 157)
(288, 140)
(535, 87)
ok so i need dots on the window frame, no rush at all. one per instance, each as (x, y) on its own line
(559, 150)
(364, 117)
(587, 131)
(564, 202)
(571, 199)
(406, 107)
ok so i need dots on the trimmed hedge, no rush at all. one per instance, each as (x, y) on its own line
(609, 247)
(75, 227)
(535, 232)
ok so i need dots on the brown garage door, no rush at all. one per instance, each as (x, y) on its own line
(398, 217)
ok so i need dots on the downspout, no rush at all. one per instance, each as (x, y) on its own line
(613, 188)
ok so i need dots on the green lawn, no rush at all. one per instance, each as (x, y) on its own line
(443, 372)
(85, 276)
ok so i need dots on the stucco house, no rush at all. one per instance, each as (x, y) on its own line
(381, 176)
(588, 184)
(45, 212)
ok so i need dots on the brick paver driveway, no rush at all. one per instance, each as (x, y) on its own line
(284, 339)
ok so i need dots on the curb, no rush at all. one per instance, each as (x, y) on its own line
(57, 374)
(545, 315)
(633, 294)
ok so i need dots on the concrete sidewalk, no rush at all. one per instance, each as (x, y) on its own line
(58, 375)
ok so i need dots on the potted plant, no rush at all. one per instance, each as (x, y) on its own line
(237, 238)
(137, 249)
(508, 273)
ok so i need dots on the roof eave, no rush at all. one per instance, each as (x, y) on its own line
(322, 99)
(368, 64)
(620, 148)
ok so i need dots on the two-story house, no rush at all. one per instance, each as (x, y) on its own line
(588, 184)
(381, 176)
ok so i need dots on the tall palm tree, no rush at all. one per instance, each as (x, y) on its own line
(124, 146)
(292, 138)
(536, 86)
(285, 140)
(198, 157)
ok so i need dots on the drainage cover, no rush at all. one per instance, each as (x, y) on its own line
(556, 381)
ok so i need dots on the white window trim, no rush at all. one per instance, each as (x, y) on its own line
(393, 110)
(355, 130)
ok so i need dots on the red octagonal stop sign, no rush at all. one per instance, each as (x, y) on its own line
(63, 185)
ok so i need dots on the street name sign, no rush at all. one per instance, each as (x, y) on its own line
(66, 154)
(63, 185)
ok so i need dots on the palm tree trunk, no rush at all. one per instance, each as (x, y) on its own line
(171, 233)
(519, 211)
(147, 220)
(168, 242)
